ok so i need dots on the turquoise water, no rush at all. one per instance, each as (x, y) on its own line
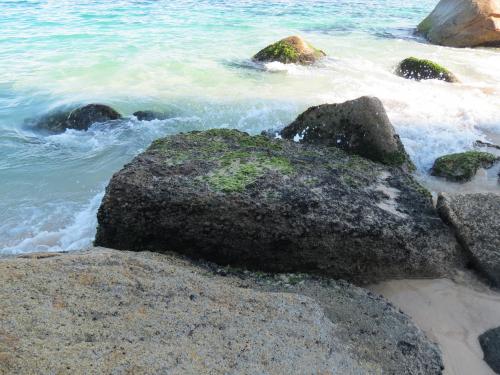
(191, 58)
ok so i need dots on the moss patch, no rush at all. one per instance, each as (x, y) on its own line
(281, 51)
(462, 166)
(419, 69)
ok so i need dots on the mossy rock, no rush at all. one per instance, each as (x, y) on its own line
(274, 205)
(291, 50)
(420, 69)
(462, 167)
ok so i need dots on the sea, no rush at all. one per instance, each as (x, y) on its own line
(192, 60)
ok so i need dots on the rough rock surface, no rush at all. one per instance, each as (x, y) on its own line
(360, 126)
(420, 69)
(463, 23)
(115, 312)
(275, 205)
(80, 118)
(476, 221)
(150, 115)
(463, 166)
(293, 49)
(490, 343)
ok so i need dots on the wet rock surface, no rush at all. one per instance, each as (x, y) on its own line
(360, 126)
(292, 49)
(462, 167)
(79, 119)
(275, 205)
(151, 115)
(420, 69)
(476, 221)
(107, 311)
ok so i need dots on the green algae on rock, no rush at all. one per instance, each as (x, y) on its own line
(421, 69)
(291, 50)
(275, 205)
(462, 167)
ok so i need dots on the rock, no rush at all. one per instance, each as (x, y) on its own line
(109, 312)
(151, 115)
(360, 126)
(463, 23)
(290, 50)
(80, 118)
(419, 69)
(462, 166)
(490, 343)
(476, 221)
(274, 205)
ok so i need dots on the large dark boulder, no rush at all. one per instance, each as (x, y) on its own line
(275, 205)
(292, 49)
(420, 69)
(476, 221)
(360, 126)
(80, 118)
(490, 343)
(462, 167)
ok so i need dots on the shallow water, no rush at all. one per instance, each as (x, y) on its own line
(192, 59)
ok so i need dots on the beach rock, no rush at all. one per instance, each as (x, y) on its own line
(475, 219)
(490, 343)
(80, 118)
(360, 126)
(111, 312)
(462, 167)
(151, 115)
(293, 49)
(274, 205)
(463, 23)
(420, 69)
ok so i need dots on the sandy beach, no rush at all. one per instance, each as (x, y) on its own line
(453, 313)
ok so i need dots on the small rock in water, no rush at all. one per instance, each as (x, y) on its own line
(79, 119)
(360, 126)
(490, 343)
(151, 115)
(462, 167)
(420, 69)
(293, 49)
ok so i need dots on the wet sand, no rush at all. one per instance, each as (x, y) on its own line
(453, 313)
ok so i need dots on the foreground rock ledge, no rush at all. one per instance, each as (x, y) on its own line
(107, 311)
(275, 205)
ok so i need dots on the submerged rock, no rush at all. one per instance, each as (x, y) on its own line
(360, 126)
(79, 119)
(463, 23)
(420, 69)
(293, 49)
(106, 311)
(490, 343)
(274, 205)
(151, 115)
(462, 166)
(476, 221)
